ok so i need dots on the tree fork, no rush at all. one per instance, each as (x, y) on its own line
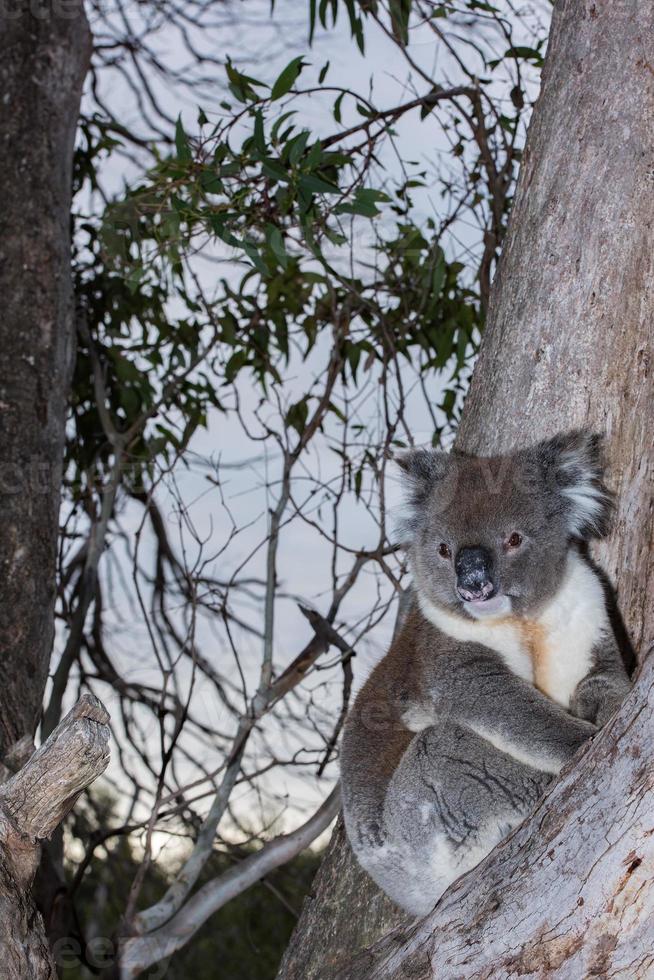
(568, 343)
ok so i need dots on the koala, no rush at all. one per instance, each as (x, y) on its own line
(504, 665)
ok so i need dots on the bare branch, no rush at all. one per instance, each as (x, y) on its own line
(140, 952)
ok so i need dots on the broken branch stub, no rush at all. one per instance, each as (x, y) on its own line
(38, 797)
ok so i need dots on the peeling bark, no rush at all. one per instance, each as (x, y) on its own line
(44, 54)
(568, 343)
(32, 804)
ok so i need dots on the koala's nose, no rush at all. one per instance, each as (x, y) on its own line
(474, 573)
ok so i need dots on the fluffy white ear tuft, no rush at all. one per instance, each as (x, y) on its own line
(576, 459)
(418, 470)
(588, 505)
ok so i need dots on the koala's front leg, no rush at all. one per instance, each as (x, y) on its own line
(602, 691)
(513, 715)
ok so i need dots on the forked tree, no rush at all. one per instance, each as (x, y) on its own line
(568, 343)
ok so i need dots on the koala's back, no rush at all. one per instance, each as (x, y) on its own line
(375, 736)
(399, 778)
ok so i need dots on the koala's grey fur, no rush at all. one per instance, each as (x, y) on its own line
(478, 703)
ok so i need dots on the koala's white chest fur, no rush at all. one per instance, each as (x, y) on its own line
(552, 651)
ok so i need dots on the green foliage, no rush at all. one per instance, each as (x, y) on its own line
(255, 185)
(145, 359)
(282, 200)
(286, 79)
(325, 13)
(284, 203)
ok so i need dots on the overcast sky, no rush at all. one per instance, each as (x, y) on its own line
(263, 50)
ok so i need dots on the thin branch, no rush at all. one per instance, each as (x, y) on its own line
(140, 952)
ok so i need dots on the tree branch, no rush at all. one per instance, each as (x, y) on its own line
(142, 951)
(38, 797)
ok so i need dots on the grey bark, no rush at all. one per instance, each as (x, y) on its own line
(568, 343)
(44, 54)
(32, 804)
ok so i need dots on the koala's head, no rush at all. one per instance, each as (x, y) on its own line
(490, 535)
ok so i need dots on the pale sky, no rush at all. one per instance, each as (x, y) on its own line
(250, 491)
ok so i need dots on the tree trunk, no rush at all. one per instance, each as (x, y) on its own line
(32, 804)
(568, 343)
(44, 54)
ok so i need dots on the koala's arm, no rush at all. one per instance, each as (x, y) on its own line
(601, 692)
(482, 693)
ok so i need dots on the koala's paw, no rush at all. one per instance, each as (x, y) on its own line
(598, 702)
(606, 709)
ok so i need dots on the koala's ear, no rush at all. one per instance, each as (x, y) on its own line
(422, 466)
(421, 469)
(574, 466)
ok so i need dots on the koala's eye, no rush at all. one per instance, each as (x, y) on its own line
(514, 540)
(444, 551)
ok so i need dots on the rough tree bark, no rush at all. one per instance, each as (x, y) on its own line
(32, 804)
(44, 54)
(568, 342)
